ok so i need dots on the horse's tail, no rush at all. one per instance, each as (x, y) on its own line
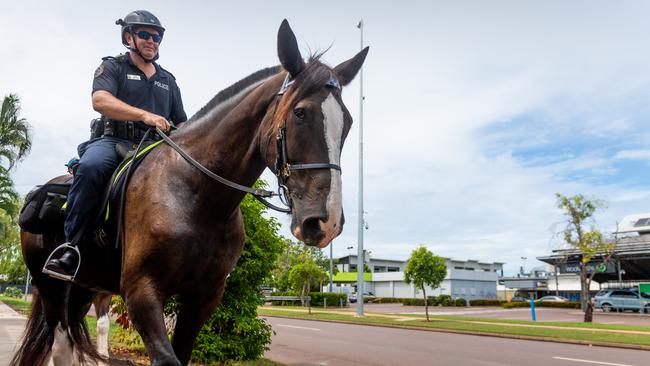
(37, 339)
(40, 336)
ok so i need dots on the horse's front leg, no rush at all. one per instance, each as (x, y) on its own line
(193, 311)
(145, 307)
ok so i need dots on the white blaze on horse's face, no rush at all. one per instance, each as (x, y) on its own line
(333, 133)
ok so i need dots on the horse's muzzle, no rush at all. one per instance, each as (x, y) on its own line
(317, 231)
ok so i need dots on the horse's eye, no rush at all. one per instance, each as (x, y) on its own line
(300, 113)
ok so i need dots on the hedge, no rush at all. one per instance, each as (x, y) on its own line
(333, 299)
(317, 298)
(546, 304)
(486, 302)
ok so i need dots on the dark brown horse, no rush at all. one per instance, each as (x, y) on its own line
(183, 232)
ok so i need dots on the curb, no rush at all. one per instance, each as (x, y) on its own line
(483, 334)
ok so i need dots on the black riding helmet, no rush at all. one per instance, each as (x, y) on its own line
(139, 18)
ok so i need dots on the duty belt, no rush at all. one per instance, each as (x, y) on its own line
(127, 130)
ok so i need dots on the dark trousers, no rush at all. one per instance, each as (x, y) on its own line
(98, 160)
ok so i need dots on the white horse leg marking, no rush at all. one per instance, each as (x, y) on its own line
(103, 324)
(333, 127)
(62, 348)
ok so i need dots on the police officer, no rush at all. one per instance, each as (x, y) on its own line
(132, 92)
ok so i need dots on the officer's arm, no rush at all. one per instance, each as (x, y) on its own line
(108, 105)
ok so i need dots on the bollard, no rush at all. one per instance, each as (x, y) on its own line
(532, 309)
(325, 302)
(341, 301)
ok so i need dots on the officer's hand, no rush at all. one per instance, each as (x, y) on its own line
(155, 120)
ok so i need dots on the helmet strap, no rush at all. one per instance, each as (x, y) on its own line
(137, 50)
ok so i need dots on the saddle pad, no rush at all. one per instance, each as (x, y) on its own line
(117, 180)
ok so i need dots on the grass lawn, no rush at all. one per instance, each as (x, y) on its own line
(588, 332)
(18, 304)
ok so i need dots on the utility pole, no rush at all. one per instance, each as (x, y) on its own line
(360, 260)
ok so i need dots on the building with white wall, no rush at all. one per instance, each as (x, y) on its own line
(469, 279)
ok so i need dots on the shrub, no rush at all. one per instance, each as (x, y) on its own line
(515, 304)
(460, 302)
(445, 300)
(413, 302)
(13, 292)
(333, 299)
(522, 304)
(564, 305)
(387, 300)
(486, 302)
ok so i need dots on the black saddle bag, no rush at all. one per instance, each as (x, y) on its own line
(43, 209)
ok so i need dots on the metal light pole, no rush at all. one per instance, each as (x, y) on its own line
(361, 223)
(331, 266)
(26, 285)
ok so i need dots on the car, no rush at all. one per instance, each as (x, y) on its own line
(353, 296)
(621, 299)
(519, 299)
(553, 299)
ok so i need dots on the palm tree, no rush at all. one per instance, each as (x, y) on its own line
(15, 135)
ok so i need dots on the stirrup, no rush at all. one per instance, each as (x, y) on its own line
(58, 275)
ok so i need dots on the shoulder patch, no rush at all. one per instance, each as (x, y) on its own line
(99, 71)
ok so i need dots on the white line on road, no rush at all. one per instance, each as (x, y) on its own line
(296, 327)
(588, 361)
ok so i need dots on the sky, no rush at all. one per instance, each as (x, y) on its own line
(476, 113)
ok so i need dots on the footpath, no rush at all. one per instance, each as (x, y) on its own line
(12, 325)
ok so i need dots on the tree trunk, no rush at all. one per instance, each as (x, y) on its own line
(426, 303)
(585, 302)
(302, 295)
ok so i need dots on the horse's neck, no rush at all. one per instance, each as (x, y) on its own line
(226, 141)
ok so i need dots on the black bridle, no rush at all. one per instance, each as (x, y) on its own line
(282, 167)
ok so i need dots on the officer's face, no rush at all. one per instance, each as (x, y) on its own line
(148, 47)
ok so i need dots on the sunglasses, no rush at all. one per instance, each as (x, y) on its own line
(146, 35)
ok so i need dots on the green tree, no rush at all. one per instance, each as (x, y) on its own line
(424, 268)
(590, 243)
(11, 259)
(293, 254)
(15, 136)
(303, 275)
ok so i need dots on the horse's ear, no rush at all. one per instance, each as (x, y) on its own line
(347, 70)
(288, 52)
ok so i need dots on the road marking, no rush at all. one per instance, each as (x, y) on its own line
(296, 327)
(589, 361)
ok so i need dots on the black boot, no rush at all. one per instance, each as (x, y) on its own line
(65, 265)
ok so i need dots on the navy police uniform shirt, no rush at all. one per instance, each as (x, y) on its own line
(159, 95)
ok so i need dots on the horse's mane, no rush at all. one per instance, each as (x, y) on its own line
(234, 89)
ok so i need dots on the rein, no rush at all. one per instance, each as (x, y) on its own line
(282, 167)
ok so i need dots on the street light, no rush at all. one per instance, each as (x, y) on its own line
(361, 220)
(523, 264)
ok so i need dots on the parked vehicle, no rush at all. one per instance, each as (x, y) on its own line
(553, 299)
(353, 296)
(618, 299)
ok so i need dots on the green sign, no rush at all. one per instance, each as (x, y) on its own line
(644, 288)
(602, 268)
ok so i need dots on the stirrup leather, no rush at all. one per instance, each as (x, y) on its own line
(58, 275)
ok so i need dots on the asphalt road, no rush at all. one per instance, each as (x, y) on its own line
(302, 342)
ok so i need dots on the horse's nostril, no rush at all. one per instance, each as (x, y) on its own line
(311, 225)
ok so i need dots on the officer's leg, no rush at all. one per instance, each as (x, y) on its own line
(95, 168)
